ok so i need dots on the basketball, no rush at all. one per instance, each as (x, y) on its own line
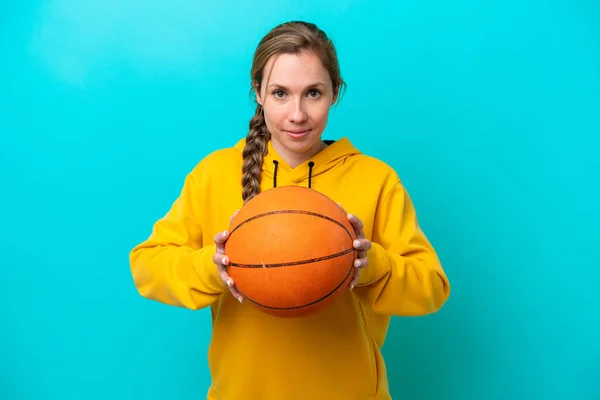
(291, 251)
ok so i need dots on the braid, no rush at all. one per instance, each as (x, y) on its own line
(254, 151)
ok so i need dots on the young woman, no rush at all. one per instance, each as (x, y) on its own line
(335, 354)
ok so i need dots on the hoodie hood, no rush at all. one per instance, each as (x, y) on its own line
(281, 174)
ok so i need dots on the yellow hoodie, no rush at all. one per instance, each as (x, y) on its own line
(335, 354)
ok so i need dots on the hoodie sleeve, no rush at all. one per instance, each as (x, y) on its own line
(404, 275)
(172, 266)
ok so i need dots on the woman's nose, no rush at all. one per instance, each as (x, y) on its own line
(297, 113)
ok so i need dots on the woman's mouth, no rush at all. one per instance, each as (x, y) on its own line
(297, 133)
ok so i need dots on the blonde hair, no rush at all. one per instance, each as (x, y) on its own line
(288, 38)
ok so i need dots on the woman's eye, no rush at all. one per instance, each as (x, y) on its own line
(314, 93)
(279, 93)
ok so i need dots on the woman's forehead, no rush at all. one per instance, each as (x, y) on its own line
(296, 70)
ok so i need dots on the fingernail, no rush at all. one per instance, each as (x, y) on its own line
(351, 286)
(229, 282)
(357, 263)
(357, 243)
(224, 233)
(224, 261)
(240, 300)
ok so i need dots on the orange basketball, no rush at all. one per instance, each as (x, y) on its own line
(290, 251)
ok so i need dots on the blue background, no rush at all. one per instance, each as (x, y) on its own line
(488, 110)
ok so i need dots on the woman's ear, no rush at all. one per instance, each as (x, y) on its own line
(256, 87)
(336, 92)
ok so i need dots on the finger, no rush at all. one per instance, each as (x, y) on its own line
(358, 225)
(232, 289)
(360, 263)
(362, 244)
(367, 244)
(220, 239)
(354, 279)
(222, 263)
(221, 260)
(358, 246)
(226, 278)
(236, 294)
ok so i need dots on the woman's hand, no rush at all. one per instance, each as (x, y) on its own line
(361, 244)
(221, 260)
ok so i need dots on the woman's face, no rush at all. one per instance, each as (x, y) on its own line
(296, 96)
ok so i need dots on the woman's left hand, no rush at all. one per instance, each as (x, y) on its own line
(361, 244)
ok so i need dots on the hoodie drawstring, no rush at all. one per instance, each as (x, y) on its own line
(310, 167)
(275, 173)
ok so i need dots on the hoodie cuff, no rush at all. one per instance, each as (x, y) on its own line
(378, 259)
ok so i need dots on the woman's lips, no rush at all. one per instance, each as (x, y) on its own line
(297, 133)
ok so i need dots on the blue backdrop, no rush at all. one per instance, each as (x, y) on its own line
(488, 110)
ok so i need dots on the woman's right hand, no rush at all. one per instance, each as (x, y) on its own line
(221, 260)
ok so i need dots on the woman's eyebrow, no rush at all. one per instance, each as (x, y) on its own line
(316, 84)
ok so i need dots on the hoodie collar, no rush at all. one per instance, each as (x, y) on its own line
(279, 171)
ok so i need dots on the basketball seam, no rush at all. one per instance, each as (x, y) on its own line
(304, 305)
(314, 214)
(292, 263)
